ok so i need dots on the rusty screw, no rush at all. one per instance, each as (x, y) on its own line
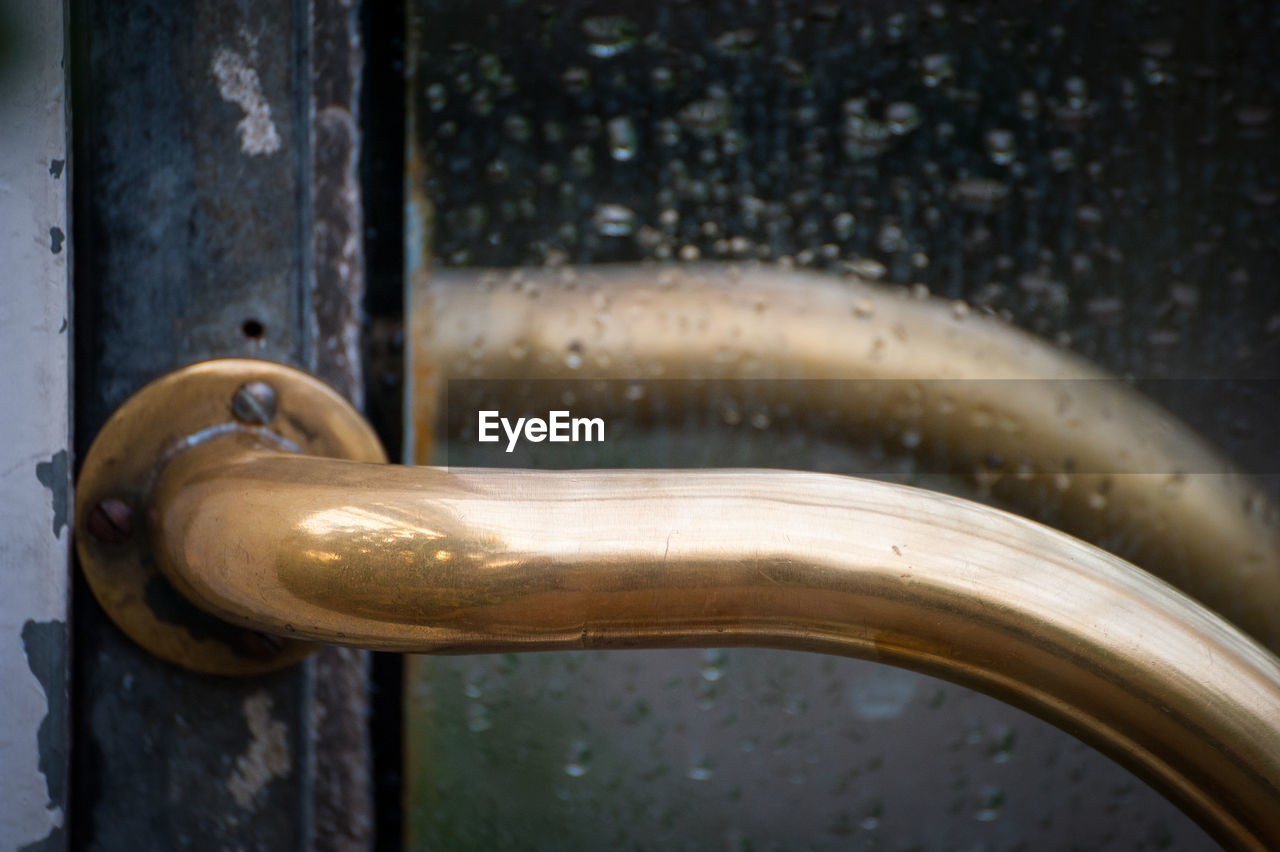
(254, 403)
(111, 521)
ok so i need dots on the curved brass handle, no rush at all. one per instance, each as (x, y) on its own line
(427, 559)
(1049, 428)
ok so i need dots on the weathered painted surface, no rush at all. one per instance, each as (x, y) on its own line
(34, 430)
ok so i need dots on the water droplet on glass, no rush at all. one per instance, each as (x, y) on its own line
(614, 220)
(437, 97)
(583, 162)
(1104, 307)
(609, 35)
(577, 763)
(1006, 737)
(482, 102)
(902, 117)
(843, 224)
(1000, 146)
(707, 117)
(575, 79)
(478, 718)
(936, 68)
(517, 127)
(1184, 295)
(1088, 215)
(1153, 71)
(882, 693)
(1077, 92)
(1159, 48)
(701, 770)
(895, 27)
(890, 238)
(715, 662)
(1028, 104)
(1250, 115)
(979, 195)
(991, 801)
(622, 139)
(864, 138)
(490, 67)
(736, 41)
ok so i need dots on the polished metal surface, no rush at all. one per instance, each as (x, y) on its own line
(433, 560)
(881, 364)
(165, 419)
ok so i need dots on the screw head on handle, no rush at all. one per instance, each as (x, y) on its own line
(111, 521)
(254, 403)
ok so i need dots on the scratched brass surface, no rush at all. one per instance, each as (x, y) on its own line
(432, 560)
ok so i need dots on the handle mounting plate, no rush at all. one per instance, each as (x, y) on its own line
(272, 402)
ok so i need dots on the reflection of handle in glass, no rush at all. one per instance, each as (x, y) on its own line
(1040, 426)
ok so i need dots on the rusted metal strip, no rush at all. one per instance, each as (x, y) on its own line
(213, 222)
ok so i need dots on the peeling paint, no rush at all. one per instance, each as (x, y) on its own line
(45, 644)
(56, 238)
(268, 755)
(53, 475)
(238, 83)
(54, 841)
(33, 746)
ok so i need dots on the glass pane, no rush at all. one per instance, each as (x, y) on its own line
(1102, 174)
(750, 749)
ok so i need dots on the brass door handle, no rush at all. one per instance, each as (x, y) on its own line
(221, 465)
